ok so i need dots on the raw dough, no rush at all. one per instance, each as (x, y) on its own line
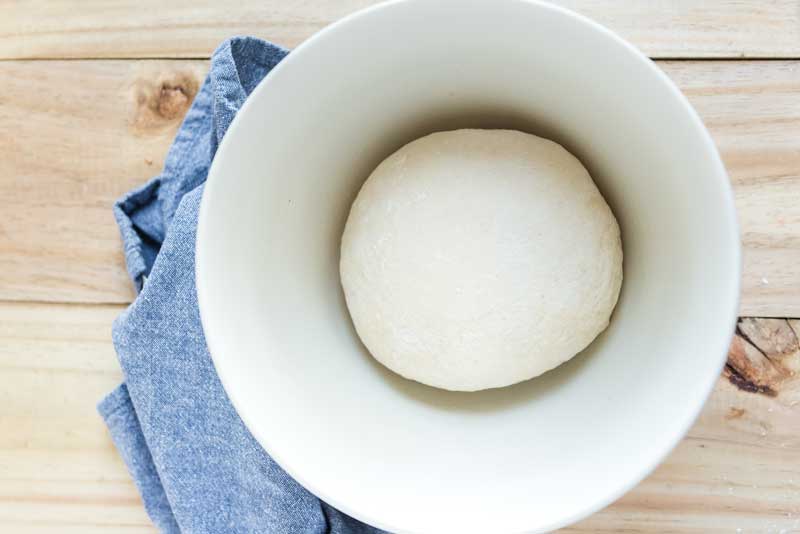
(476, 259)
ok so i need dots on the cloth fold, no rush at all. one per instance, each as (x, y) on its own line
(196, 465)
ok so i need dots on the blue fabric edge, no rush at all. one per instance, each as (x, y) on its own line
(119, 415)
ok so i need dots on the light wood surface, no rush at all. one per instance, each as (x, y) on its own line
(59, 470)
(88, 119)
(83, 132)
(75, 136)
(190, 28)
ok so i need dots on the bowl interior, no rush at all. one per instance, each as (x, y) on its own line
(402, 455)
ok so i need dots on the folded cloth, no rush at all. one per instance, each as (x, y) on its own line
(197, 467)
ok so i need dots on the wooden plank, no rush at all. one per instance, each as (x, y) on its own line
(182, 28)
(739, 467)
(59, 470)
(80, 133)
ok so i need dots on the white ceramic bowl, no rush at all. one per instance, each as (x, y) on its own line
(401, 455)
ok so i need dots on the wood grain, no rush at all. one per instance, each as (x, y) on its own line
(76, 136)
(739, 467)
(183, 28)
(59, 470)
(80, 133)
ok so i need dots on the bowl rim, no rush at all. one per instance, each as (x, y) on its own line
(720, 344)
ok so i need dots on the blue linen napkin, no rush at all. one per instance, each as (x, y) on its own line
(196, 465)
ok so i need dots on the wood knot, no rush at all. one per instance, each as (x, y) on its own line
(735, 413)
(173, 101)
(160, 99)
(764, 354)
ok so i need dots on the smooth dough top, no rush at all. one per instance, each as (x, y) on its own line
(475, 259)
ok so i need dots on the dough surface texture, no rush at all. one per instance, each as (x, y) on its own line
(475, 259)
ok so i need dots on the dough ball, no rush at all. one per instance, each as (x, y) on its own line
(475, 259)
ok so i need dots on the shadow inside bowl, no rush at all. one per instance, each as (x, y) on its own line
(488, 400)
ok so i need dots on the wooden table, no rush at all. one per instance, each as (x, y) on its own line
(92, 93)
